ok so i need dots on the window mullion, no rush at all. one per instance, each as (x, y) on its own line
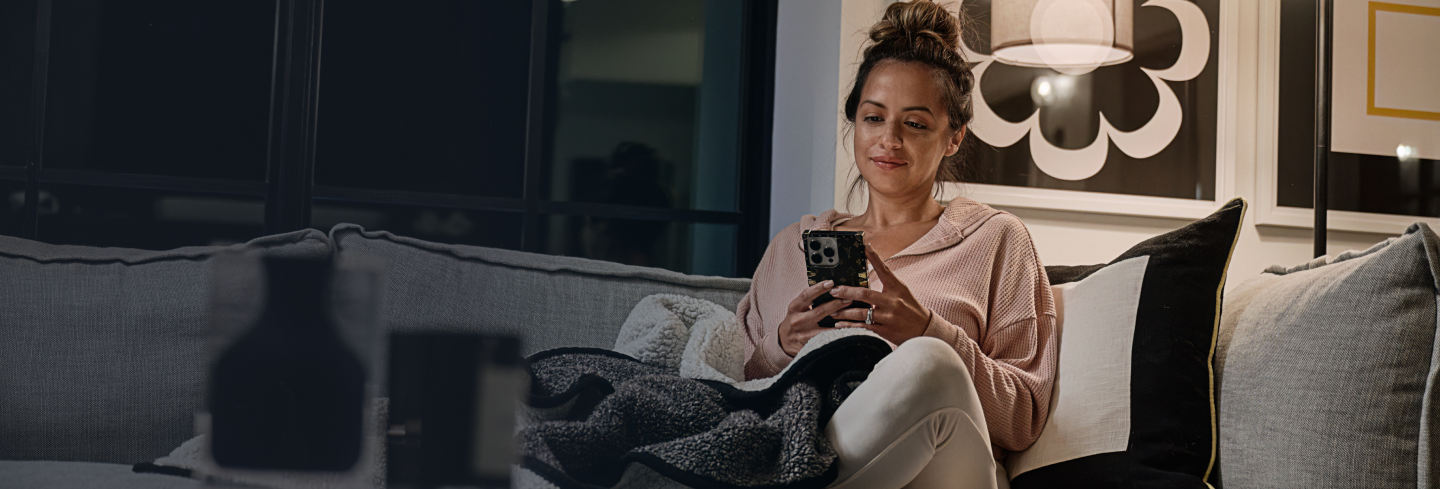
(538, 118)
(30, 227)
(291, 167)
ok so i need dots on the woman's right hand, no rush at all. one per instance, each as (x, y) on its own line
(802, 322)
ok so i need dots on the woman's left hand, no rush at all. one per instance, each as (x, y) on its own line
(898, 315)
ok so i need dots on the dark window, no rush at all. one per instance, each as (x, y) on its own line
(17, 57)
(426, 98)
(629, 130)
(168, 87)
(648, 104)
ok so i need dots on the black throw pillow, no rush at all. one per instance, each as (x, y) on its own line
(1172, 404)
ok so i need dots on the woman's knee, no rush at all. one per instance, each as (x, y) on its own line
(931, 360)
(926, 372)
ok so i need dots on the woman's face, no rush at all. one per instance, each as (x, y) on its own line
(902, 130)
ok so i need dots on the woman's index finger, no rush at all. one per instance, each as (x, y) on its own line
(886, 276)
(876, 262)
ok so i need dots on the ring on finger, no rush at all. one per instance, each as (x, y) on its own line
(870, 315)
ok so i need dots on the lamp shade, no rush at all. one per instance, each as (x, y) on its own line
(1070, 36)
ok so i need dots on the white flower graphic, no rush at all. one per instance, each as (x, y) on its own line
(1154, 136)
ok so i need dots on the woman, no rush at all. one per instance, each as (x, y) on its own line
(958, 288)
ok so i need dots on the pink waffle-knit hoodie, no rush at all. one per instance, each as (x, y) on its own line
(978, 273)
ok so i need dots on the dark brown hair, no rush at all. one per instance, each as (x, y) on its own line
(921, 31)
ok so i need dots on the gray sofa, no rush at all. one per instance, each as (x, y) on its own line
(101, 363)
(1329, 371)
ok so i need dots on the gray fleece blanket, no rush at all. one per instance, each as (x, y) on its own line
(606, 410)
(669, 400)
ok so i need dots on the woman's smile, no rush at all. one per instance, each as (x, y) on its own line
(887, 162)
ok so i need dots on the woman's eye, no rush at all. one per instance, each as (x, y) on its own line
(872, 118)
(916, 125)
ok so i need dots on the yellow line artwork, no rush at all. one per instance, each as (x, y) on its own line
(1370, 108)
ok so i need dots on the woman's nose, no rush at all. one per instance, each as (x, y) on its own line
(890, 137)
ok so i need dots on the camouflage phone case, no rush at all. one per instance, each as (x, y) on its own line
(838, 256)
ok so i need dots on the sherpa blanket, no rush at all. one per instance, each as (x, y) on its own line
(669, 399)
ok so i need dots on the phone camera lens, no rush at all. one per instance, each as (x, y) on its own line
(814, 245)
(829, 251)
(815, 258)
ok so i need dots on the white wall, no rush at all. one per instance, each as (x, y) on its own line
(807, 58)
(1065, 237)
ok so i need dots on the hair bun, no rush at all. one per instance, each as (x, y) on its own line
(922, 26)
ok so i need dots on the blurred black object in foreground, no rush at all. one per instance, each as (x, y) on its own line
(452, 409)
(289, 393)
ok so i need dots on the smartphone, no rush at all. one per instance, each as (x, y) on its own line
(838, 256)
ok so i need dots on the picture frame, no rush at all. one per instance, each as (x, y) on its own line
(1268, 210)
(1226, 152)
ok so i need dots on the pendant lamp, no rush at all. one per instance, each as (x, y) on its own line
(1070, 36)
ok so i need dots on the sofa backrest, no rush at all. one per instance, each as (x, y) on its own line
(547, 301)
(102, 349)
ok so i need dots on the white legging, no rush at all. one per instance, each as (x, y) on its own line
(916, 423)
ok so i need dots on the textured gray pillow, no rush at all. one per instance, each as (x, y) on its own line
(548, 301)
(102, 349)
(1328, 371)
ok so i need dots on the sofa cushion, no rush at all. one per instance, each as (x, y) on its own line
(103, 351)
(547, 301)
(1133, 403)
(1329, 371)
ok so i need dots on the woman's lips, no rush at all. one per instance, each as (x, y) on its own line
(887, 163)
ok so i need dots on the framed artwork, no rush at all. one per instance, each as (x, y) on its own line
(1105, 106)
(1384, 156)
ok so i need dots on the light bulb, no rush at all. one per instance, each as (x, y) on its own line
(1404, 152)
